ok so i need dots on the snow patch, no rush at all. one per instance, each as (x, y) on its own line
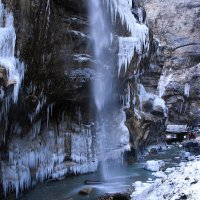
(183, 182)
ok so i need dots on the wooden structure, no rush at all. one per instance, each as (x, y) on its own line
(176, 132)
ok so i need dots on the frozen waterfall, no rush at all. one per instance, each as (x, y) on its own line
(14, 68)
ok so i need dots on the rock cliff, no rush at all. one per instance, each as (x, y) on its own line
(176, 26)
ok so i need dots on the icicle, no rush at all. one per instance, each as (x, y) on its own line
(138, 42)
(187, 90)
(163, 82)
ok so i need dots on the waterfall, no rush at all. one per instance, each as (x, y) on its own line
(112, 135)
(101, 39)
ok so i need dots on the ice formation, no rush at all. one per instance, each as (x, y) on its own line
(14, 68)
(154, 165)
(125, 97)
(145, 96)
(163, 82)
(46, 155)
(138, 41)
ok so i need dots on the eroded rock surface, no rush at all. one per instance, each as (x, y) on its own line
(178, 30)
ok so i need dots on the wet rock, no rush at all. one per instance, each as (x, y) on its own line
(154, 151)
(3, 76)
(115, 196)
(85, 191)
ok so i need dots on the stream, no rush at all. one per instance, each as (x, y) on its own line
(121, 177)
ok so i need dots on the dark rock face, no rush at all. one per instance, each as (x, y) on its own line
(117, 196)
(52, 40)
(78, 7)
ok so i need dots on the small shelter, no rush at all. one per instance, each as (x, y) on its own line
(176, 132)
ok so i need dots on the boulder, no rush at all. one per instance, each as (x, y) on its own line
(154, 165)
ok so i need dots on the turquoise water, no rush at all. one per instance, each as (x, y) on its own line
(120, 179)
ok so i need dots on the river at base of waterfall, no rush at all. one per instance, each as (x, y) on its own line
(121, 178)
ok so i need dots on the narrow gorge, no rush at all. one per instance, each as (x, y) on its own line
(91, 82)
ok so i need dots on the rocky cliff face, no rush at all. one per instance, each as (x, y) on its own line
(177, 29)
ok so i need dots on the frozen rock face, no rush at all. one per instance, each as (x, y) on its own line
(178, 29)
(147, 113)
(47, 156)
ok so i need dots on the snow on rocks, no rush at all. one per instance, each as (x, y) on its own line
(170, 170)
(155, 148)
(185, 155)
(154, 165)
(182, 183)
(159, 174)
